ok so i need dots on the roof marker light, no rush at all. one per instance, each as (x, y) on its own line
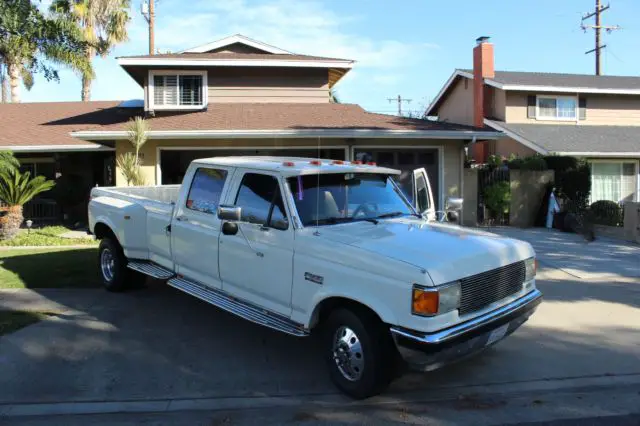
(357, 162)
(371, 163)
(315, 162)
(288, 163)
(340, 162)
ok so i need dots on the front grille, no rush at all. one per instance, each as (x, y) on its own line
(484, 288)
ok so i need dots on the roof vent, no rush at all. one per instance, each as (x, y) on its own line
(482, 39)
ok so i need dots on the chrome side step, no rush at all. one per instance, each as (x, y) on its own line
(240, 308)
(151, 269)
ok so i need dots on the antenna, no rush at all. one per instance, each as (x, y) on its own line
(400, 100)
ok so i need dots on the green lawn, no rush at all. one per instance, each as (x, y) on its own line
(47, 236)
(11, 321)
(49, 268)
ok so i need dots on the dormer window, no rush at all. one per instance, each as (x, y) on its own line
(177, 89)
(562, 108)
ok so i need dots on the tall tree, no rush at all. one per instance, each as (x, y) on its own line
(103, 24)
(28, 39)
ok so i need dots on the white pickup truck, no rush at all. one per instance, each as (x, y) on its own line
(302, 245)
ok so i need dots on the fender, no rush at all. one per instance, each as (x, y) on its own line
(376, 305)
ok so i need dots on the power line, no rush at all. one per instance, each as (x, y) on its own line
(597, 27)
(400, 100)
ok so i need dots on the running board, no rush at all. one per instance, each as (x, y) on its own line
(151, 269)
(240, 308)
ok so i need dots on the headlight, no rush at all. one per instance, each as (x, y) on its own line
(530, 266)
(437, 300)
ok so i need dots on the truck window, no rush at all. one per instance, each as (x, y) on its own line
(423, 196)
(205, 191)
(261, 201)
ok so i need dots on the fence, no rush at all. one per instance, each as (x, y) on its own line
(40, 211)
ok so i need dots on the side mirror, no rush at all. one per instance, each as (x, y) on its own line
(453, 216)
(229, 213)
(454, 203)
(229, 228)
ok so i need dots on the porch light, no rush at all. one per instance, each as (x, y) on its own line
(29, 224)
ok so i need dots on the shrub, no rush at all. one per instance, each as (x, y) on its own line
(606, 212)
(497, 198)
(535, 162)
(572, 180)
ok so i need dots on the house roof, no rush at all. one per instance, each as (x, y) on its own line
(213, 56)
(275, 120)
(544, 82)
(236, 38)
(576, 140)
(31, 126)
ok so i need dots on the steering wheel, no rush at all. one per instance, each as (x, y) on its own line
(366, 208)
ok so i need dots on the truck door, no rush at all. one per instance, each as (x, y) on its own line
(195, 228)
(256, 264)
(422, 196)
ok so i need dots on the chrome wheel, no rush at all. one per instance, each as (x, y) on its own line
(107, 264)
(348, 354)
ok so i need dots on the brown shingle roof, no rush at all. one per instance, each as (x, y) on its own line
(30, 124)
(275, 116)
(231, 55)
(50, 123)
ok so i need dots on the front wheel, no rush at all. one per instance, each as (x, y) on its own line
(359, 352)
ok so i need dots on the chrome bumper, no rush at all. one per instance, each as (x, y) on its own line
(429, 351)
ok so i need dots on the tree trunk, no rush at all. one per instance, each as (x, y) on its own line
(14, 82)
(4, 88)
(10, 220)
(86, 80)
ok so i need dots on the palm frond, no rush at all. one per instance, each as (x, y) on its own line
(27, 77)
(8, 162)
(17, 188)
(137, 130)
(129, 166)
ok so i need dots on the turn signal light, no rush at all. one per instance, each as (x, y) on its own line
(425, 302)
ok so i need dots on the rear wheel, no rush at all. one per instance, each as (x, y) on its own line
(112, 267)
(359, 352)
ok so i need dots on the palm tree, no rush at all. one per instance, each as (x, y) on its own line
(129, 166)
(16, 189)
(8, 162)
(27, 37)
(137, 130)
(103, 23)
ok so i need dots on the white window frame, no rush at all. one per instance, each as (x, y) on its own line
(636, 197)
(150, 85)
(556, 118)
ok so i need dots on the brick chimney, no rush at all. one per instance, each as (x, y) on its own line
(482, 68)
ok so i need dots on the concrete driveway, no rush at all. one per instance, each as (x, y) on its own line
(160, 351)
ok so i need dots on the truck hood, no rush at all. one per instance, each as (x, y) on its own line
(446, 252)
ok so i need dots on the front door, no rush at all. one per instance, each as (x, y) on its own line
(256, 264)
(423, 198)
(196, 227)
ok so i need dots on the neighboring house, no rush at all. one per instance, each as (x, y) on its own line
(594, 117)
(237, 96)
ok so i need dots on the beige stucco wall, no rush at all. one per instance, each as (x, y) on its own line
(506, 147)
(451, 153)
(458, 105)
(498, 105)
(601, 110)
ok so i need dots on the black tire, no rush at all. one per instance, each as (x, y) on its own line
(376, 349)
(117, 277)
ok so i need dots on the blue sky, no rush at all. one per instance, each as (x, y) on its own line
(406, 47)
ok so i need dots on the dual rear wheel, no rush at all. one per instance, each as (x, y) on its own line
(112, 267)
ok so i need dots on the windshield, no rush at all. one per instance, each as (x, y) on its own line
(344, 197)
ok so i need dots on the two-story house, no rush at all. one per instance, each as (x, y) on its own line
(238, 96)
(589, 116)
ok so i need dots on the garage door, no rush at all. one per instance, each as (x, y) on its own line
(174, 163)
(406, 160)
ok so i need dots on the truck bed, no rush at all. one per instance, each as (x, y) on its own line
(165, 194)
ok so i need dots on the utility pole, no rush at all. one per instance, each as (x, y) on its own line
(148, 11)
(399, 100)
(597, 27)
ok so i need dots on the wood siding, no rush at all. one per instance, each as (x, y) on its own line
(458, 105)
(614, 110)
(268, 85)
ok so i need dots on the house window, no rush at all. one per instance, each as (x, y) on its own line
(557, 108)
(178, 91)
(614, 181)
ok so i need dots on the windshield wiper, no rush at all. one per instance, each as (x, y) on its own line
(328, 221)
(390, 215)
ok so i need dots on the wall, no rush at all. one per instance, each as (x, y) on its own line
(507, 146)
(632, 221)
(497, 105)
(617, 110)
(527, 191)
(451, 153)
(458, 105)
(470, 206)
(233, 84)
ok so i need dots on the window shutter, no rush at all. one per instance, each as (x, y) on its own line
(165, 90)
(531, 106)
(582, 108)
